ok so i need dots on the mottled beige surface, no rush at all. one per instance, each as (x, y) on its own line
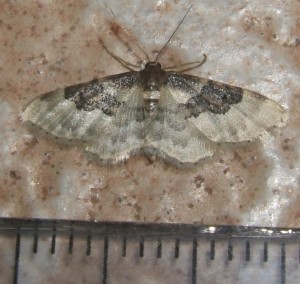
(51, 44)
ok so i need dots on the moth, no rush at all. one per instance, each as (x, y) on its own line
(154, 112)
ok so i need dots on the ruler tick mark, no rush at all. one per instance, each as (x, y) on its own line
(88, 244)
(35, 242)
(17, 257)
(105, 259)
(265, 251)
(53, 241)
(159, 247)
(194, 262)
(230, 251)
(141, 247)
(282, 265)
(212, 250)
(299, 254)
(247, 251)
(177, 244)
(124, 247)
(71, 239)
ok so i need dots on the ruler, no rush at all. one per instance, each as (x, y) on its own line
(66, 251)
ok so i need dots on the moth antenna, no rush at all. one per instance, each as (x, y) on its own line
(163, 48)
(145, 53)
(140, 48)
(112, 12)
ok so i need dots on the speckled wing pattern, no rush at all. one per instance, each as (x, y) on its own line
(104, 115)
(225, 113)
(171, 136)
(175, 116)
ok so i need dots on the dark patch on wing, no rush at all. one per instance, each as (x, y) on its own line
(206, 95)
(86, 96)
(228, 94)
(98, 94)
(217, 98)
(214, 97)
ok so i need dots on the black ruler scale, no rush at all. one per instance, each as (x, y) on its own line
(64, 251)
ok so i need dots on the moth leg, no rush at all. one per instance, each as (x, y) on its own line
(123, 62)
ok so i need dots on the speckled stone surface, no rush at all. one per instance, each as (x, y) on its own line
(46, 45)
(50, 44)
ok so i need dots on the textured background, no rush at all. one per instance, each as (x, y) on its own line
(50, 44)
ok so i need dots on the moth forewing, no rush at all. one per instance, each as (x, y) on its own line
(244, 121)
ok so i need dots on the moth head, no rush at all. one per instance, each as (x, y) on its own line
(153, 66)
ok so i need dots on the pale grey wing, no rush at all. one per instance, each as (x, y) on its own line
(79, 111)
(124, 135)
(173, 137)
(225, 113)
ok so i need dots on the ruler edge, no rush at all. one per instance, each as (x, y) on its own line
(147, 229)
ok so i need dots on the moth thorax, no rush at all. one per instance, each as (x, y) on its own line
(152, 77)
(151, 99)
